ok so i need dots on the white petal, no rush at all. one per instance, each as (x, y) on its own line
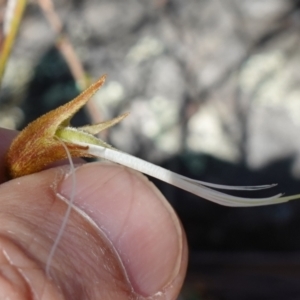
(230, 187)
(196, 187)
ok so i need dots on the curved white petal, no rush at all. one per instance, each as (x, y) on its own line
(230, 187)
(196, 187)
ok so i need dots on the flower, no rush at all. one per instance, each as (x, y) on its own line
(38, 145)
(42, 142)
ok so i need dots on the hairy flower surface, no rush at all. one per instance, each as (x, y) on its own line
(38, 144)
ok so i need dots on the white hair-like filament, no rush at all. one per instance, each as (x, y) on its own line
(67, 214)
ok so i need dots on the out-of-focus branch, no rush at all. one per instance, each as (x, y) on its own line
(64, 45)
(66, 48)
(12, 18)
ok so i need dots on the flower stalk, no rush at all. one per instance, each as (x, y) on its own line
(40, 143)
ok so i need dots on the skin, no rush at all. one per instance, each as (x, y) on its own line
(122, 240)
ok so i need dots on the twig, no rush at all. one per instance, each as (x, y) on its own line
(66, 48)
(12, 19)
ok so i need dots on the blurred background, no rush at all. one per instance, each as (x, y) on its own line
(213, 91)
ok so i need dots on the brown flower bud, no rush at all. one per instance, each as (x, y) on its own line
(38, 144)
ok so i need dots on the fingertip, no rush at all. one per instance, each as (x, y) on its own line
(138, 221)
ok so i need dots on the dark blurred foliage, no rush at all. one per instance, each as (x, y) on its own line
(52, 85)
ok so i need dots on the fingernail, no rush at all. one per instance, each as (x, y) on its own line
(137, 220)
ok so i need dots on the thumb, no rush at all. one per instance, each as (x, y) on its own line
(122, 241)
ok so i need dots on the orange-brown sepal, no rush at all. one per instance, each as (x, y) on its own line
(37, 146)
